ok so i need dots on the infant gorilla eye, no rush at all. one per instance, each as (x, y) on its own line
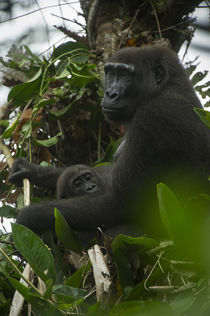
(77, 182)
(87, 176)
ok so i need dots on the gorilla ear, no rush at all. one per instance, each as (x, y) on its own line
(159, 73)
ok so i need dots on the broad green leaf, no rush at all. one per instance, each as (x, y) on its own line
(8, 132)
(43, 307)
(204, 116)
(65, 234)
(95, 310)
(47, 142)
(43, 103)
(70, 294)
(4, 123)
(182, 302)
(142, 308)
(207, 104)
(22, 289)
(76, 49)
(110, 151)
(171, 212)
(27, 129)
(39, 305)
(120, 247)
(61, 112)
(34, 57)
(198, 76)
(25, 91)
(34, 251)
(75, 280)
(81, 77)
(8, 211)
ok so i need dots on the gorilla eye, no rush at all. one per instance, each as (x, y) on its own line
(87, 176)
(77, 182)
(159, 73)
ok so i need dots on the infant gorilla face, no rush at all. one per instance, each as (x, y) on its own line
(76, 181)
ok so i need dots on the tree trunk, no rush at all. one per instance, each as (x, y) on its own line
(114, 24)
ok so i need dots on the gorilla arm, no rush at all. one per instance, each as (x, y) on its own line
(82, 213)
(38, 175)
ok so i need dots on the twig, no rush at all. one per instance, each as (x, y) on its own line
(156, 17)
(34, 11)
(69, 20)
(129, 27)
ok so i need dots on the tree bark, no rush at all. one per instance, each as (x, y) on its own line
(115, 24)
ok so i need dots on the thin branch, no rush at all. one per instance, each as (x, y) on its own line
(73, 21)
(34, 11)
(156, 17)
(45, 21)
(129, 28)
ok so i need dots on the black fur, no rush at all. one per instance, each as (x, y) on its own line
(148, 90)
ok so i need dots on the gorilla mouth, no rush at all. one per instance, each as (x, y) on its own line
(105, 109)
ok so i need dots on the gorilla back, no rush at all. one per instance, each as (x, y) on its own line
(148, 91)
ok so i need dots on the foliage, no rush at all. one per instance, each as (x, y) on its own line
(150, 277)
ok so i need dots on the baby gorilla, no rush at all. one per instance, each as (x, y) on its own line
(79, 180)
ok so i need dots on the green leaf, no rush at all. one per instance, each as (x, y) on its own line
(47, 142)
(120, 247)
(198, 77)
(43, 103)
(25, 91)
(4, 123)
(27, 129)
(62, 112)
(65, 234)
(171, 212)
(34, 57)
(110, 151)
(75, 280)
(76, 49)
(8, 132)
(22, 289)
(43, 307)
(69, 293)
(204, 116)
(8, 211)
(182, 302)
(34, 251)
(81, 76)
(207, 104)
(142, 308)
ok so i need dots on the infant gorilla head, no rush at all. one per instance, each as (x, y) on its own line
(78, 180)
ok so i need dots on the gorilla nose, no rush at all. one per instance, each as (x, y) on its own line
(112, 94)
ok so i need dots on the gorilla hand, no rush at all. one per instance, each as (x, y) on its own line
(20, 170)
(42, 176)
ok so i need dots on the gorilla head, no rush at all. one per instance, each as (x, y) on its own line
(78, 180)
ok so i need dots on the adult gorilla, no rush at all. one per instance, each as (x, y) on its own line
(148, 91)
